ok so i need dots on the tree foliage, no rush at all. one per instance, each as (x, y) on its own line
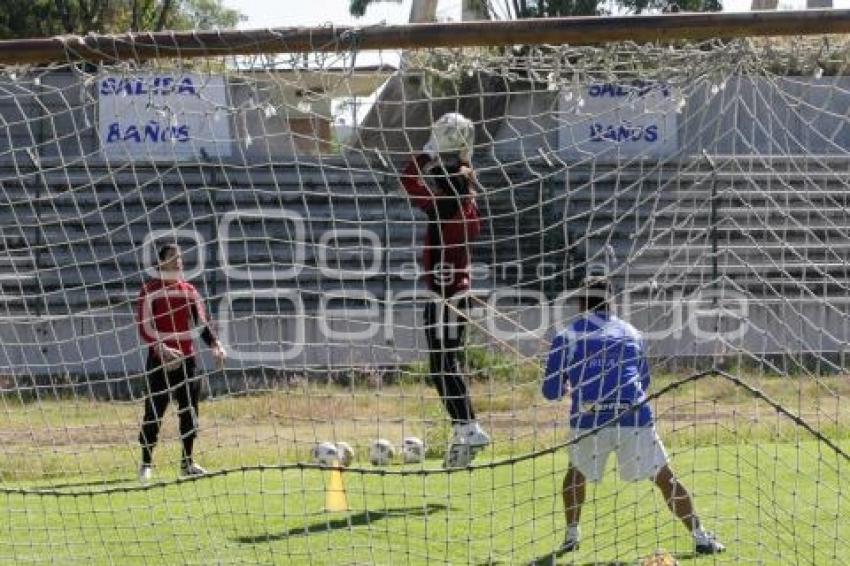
(357, 8)
(40, 18)
(554, 8)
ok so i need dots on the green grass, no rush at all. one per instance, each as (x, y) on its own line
(773, 493)
(771, 504)
(53, 439)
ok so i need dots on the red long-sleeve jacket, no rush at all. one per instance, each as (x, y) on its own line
(446, 254)
(168, 312)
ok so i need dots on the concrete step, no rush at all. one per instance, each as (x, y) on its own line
(788, 269)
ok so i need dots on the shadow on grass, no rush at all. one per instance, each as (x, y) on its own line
(552, 558)
(356, 520)
(93, 483)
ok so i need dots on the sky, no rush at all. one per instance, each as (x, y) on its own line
(308, 13)
(284, 13)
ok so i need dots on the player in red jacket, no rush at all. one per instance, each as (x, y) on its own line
(444, 190)
(168, 311)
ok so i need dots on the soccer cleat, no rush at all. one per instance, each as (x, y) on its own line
(191, 469)
(145, 473)
(469, 439)
(707, 543)
(471, 434)
(570, 545)
(458, 456)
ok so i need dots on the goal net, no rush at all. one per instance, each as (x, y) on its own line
(705, 181)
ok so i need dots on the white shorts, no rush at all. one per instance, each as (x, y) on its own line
(640, 453)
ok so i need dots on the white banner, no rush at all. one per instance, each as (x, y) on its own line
(610, 122)
(163, 117)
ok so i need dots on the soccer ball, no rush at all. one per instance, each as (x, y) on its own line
(452, 133)
(325, 454)
(345, 453)
(382, 452)
(412, 450)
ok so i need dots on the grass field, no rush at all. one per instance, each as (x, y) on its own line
(773, 493)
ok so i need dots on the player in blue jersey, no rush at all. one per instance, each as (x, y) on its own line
(600, 361)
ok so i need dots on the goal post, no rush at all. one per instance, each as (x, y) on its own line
(694, 162)
(332, 38)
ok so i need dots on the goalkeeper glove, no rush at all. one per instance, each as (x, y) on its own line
(432, 150)
(171, 358)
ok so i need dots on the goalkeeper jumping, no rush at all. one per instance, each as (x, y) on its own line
(601, 361)
(440, 181)
(169, 307)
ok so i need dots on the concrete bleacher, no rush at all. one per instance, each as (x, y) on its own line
(74, 241)
(766, 224)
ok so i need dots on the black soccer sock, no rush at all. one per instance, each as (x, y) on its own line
(188, 443)
(155, 405)
(457, 400)
(444, 345)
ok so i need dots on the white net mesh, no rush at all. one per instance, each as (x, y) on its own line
(708, 181)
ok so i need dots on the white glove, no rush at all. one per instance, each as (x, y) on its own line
(219, 354)
(431, 148)
(171, 358)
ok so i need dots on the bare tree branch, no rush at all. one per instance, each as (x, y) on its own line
(134, 18)
(65, 14)
(163, 15)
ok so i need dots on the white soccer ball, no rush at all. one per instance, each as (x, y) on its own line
(452, 133)
(325, 454)
(412, 450)
(382, 452)
(345, 453)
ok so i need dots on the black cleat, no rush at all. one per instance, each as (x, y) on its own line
(570, 545)
(709, 545)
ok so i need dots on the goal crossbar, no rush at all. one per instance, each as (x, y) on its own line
(572, 30)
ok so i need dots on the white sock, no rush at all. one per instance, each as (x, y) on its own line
(573, 532)
(700, 535)
(465, 427)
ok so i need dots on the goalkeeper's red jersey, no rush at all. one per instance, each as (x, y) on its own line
(446, 253)
(168, 312)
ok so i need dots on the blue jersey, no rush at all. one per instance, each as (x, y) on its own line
(603, 359)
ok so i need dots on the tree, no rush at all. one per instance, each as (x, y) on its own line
(357, 8)
(518, 9)
(205, 14)
(40, 18)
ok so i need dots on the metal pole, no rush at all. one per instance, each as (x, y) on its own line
(715, 272)
(573, 30)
